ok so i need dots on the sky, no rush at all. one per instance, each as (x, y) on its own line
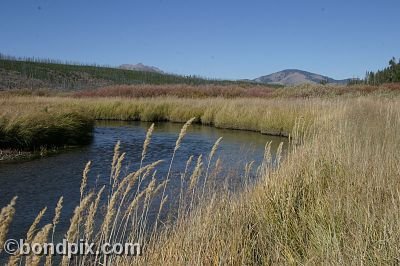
(225, 39)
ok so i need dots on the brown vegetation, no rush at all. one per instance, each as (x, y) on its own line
(236, 91)
(181, 91)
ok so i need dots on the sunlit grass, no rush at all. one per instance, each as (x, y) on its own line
(277, 116)
(32, 128)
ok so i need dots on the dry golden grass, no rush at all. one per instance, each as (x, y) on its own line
(333, 199)
(277, 116)
(29, 125)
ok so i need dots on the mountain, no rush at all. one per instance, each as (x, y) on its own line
(141, 67)
(296, 76)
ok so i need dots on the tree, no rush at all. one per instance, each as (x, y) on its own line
(388, 74)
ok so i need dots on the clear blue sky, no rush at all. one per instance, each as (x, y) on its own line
(213, 38)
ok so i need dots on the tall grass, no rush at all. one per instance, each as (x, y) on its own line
(276, 116)
(334, 199)
(27, 126)
(35, 131)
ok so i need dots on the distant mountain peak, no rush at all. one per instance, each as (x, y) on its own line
(296, 77)
(141, 67)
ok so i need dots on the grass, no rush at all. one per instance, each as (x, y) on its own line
(34, 122)
(334, 199)
(29, 128)
(266, 116)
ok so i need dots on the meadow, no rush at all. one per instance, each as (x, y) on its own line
(333, 199)
(40, 119)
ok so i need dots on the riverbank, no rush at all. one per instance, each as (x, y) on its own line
(260, 115)
(16, 156)
(35, 123)
(28, 127)
(7, 155)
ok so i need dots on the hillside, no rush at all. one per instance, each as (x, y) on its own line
(296, 77)
(33, 73)
(141, 67)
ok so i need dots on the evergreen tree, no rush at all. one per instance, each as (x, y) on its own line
(387, 75)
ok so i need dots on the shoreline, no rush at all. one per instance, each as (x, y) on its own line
(272, 133)
(10, 155)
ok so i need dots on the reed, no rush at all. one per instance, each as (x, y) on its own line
(32, 229)
(92, 214)
(146, 143)
(210, 156)
(6, 216)
(177, 145)
(40, 238)
(85, 178)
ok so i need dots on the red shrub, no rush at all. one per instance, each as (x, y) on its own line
(181, 91)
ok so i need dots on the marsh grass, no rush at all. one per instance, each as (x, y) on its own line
(333, 199)
(40, 130)
(265, 116)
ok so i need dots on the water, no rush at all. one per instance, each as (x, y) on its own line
(40, 182)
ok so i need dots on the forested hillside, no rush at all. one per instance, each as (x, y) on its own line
(46, 73)
(387, 75)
